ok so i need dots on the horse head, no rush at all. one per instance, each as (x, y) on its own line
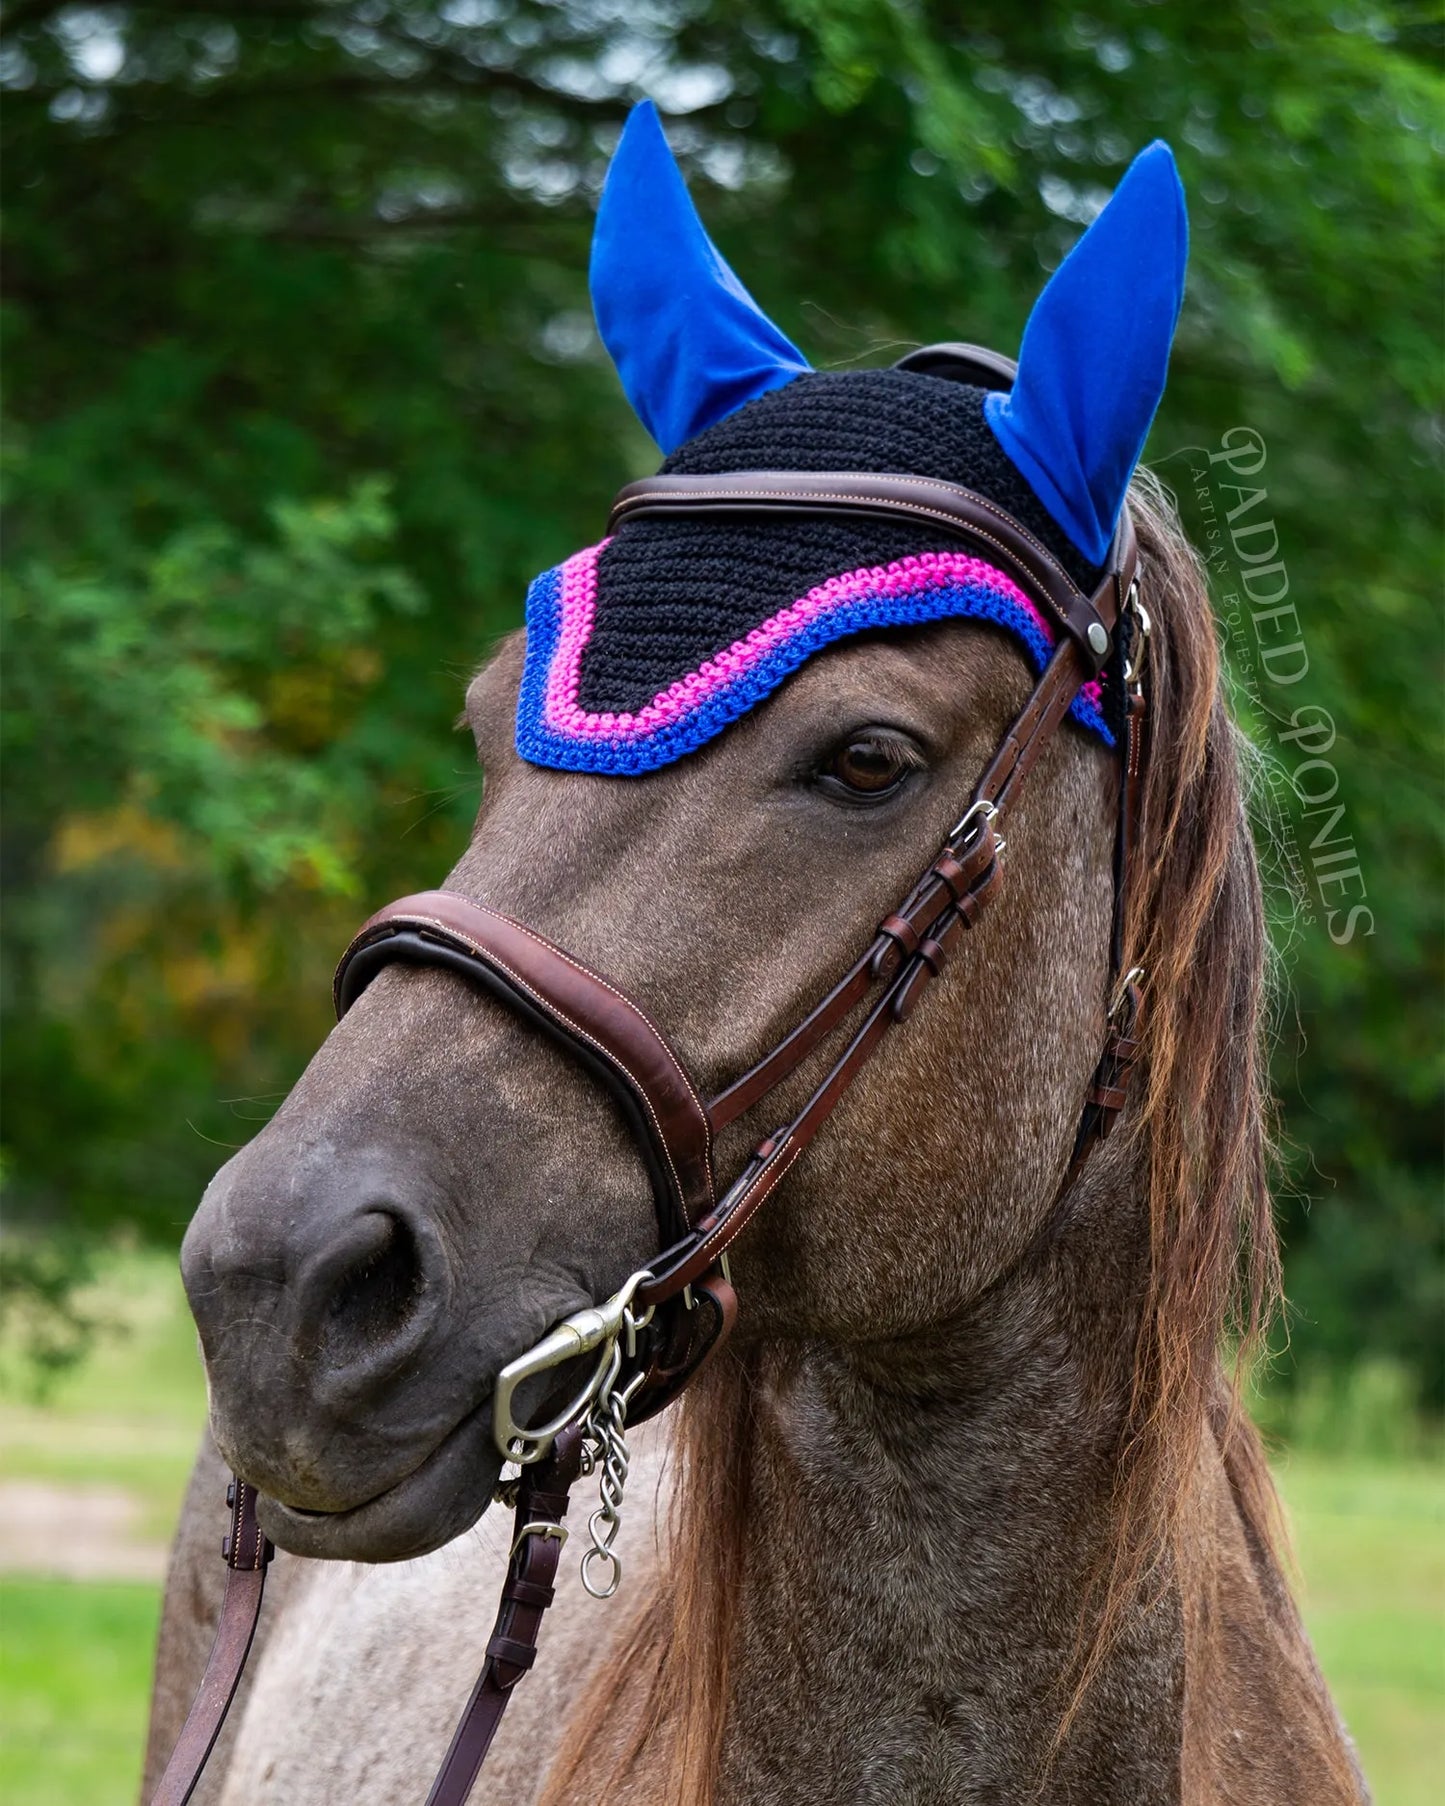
(724, 745)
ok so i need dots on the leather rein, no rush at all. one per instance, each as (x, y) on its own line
(642, 1346)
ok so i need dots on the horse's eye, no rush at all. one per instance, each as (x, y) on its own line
(869, 766)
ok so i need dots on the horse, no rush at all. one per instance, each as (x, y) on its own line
(966, 1507)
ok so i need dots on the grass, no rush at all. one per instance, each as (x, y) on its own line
(74, 1687)
(1370, 1545)
(75, 1657)
(129, 1414)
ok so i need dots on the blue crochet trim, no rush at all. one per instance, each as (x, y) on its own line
(622, 755)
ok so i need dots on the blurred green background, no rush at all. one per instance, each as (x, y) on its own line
(302, 388)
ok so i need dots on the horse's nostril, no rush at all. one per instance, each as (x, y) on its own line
(374, 1291)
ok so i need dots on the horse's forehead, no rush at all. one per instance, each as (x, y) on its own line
(944, 670)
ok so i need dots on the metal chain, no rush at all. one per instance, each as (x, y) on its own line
(606, 1433)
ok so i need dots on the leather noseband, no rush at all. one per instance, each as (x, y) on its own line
(604, 1030)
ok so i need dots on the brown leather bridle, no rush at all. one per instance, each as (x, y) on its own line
(654, 1335)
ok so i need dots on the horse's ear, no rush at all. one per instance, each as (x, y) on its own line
(1095, 354)
(689, 342)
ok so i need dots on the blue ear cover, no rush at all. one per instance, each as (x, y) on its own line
(1095, 355)
(689, 342)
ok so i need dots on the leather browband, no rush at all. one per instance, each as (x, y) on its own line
(1089, 620)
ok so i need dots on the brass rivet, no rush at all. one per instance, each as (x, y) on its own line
(1098, 639)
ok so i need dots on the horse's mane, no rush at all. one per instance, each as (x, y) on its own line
(1196, 924)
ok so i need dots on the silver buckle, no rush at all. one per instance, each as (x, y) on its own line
(557, 1532)
(1133, 976)
(1135, 663)
(972, 820)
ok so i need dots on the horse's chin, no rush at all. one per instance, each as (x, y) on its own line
(441, 1497)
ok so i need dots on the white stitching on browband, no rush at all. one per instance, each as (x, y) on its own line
(822, 495)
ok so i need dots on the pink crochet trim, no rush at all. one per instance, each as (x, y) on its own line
(904, 577)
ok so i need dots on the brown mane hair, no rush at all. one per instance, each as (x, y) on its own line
(1196, 925)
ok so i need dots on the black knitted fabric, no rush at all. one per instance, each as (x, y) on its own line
(672, 592)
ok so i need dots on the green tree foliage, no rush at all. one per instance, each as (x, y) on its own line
(302, 387)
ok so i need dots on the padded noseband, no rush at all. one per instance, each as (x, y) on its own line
(585, 1013)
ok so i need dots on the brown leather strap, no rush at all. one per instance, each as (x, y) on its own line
(912, 947)
(1131, 805)
(537, 1539)
(1034, 726)
(794, 1048)
(247, 1554)
(1109, 1091)
(1088, 620)
(588, 1013)
(949, 880)
(952, 912)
